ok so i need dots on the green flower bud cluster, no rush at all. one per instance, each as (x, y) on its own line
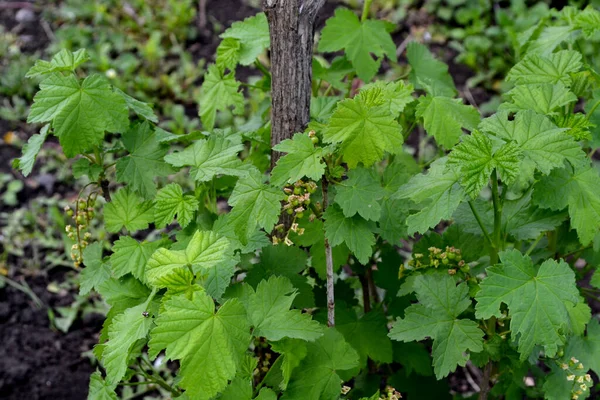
(449, 258)
(83, 214)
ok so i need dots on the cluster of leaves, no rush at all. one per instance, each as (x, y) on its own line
(515, 203)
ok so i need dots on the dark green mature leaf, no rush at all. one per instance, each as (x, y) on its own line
(95, 272)
(145, 160)
(80, 112)
(127, 210)
(475, 160)
(428, 73)
(130, 257)
(269, 312)
(441, 302)
(365, 128)
(209, 344)
(292, 352)
(444, 118)
(356, 232)
(367, 335)
(208, 158)
(538, 299)
(359, 194)
(555, 68)
(359, 40)
(316, 378)
(438, 193)
(30, 151)
(217, 278)
(219, 92)
(142, 109)
(304, 159)
(255, 204)
(170, 201)
(587, 349)
(252, 35)
(578, 188)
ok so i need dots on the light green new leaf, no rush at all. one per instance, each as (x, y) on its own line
(397, 95)
(304, 159)
(145, 160)
(555, 68)
(444, 118)
(550, 38)
(210, 345)
(588, 21)
(217, 93)
(228, 53)
(95, 272)
(253, 36)
(577, 188)
(441, 302)
(542, 98)
(359, 194)
(428, 73)
(269, 312)
(130, 257)
(124, 331)
(356, 232)
(359, 40)
(80, 112)
(100, 389)
(368, 335)
(204, 250)
(475, 160)
(127, 210)
(170, 201)
(31, 150)
(65, 60)
(538, 300)
(365, 128)
(544, 146)
(316, 377)
(255, 204)
(438, 194)
(210, 157)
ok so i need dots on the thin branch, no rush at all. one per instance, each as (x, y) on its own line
(329, 265)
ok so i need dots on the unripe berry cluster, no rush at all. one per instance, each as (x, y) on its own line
(297, 199)
(83, 214)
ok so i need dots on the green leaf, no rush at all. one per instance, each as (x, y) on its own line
(203, 251)
(83, 167)
(475, 160)
(438, 193)
(217, 278)
(316, 378)
(542, 98)
(588, 21)
(80, 112)
(577, 188)
(292, 351)
(254, 205)
(95, 272)
(544, 146)
(524, 221)
(144, 162)
(30, 151)
(555, 68)
(359, 194)
(359, 40)
(209, 158)
(550, 38)
(258, 239)
(269, 312)
(100, 389)
(142, 109)
(304, 159)
(368, 335)
(428, 73)
(228, 54)
(170, 201)
(441, 302)
(65, 60)
(124, 331)
(210, 345)
(587, 349)
(217, 93)
(538, 300)
(130, 257)
(253, 36)
(127, 210)
(397, 95)
(365, 128)
(444, 118)
(356, 232)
